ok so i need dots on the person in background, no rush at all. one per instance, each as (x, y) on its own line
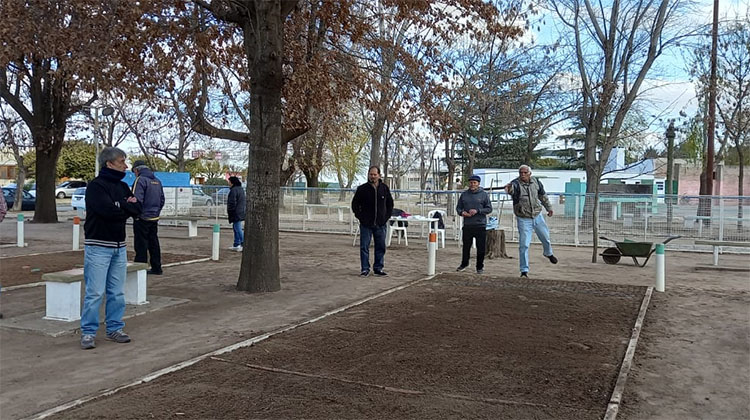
(109, 204)
(236, 212)
(372, 205)
(528, 197)
(474, 206)
(150, 193)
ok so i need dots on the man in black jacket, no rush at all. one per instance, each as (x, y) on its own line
(372, 206)
(150, 193)
(109, 203)
(236, 212)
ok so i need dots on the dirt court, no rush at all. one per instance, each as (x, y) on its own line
(693, 359)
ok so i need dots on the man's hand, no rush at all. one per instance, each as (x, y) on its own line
(465, 214)
(550, 212)
(132, 199)
(472, 212)
(507, 188)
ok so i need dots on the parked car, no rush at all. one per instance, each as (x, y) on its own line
(67, 188)
(29, 187)
(78, 200)
(220, 196)
(29, 201)
(201, 199)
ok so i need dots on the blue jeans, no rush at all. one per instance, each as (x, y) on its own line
(104, 271)
(525, 226)
(239, 235)
(365, 233)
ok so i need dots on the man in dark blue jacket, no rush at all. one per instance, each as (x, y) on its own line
(109, 204)
(149, 192)
(372, 206)
(236, 205)
(474, 206)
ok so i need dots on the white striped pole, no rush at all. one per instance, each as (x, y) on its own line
(431, 250)
(76, 233)
(19, 235)
(215, 244)
(660, 268)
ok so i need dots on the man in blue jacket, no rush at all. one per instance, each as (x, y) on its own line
(474, 206)
(109, 204)
(372, 206)
(236, 205)
(149, 192)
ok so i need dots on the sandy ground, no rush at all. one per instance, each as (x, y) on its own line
(693, 360)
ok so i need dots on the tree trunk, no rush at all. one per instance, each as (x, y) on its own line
(496, 244)
(313, 193)
(47, 153)
(263, 41)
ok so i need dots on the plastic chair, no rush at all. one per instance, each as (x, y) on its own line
(440, 232)
(396, 228)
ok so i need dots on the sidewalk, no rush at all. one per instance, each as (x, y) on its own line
(320, 273)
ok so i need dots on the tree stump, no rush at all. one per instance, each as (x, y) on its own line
(496, 244)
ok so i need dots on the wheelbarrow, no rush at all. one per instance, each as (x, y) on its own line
(631, 249)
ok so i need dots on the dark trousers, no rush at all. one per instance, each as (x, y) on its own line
(469, 234)
(378, 234)
(146, 239)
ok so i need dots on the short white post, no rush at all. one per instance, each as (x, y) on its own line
(660, 268)
(19, 235)
(76, 233)
(431, 250)
(215, 247)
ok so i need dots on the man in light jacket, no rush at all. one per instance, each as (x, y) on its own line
(474, 206)
(528, 198)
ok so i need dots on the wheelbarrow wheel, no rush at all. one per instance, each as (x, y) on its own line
(611, 255)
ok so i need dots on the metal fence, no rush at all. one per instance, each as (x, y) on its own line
(649, 218)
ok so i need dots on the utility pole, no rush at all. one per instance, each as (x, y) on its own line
(712, 104)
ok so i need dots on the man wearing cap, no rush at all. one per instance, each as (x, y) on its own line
(528, 198)
(474, 206)
(149, 192)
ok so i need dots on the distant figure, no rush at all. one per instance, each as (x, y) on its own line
(109, 204)
(149, 192)
(458, 186)
(527, 193)
(236, 206)
(474, 206)
(372, 205)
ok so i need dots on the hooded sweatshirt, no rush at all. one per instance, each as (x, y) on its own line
(478, 200)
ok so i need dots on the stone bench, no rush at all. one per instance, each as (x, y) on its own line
(192, 223)
(340, 209)
(718, 244)
(63, 289)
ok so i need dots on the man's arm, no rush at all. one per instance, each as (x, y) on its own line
(356, 206)
(544, 199)
(99, 202)
(486, 205)
(388, 201)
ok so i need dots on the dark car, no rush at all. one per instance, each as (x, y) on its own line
(29, 202)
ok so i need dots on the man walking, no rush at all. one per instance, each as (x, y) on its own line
(109, 203)
(236, 212)
(474, 206)
(372, 206)
(149, 192)
(528, 198)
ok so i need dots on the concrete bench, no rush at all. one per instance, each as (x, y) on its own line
(192, 223)
(310, 207)
(64, 291)
(718, 244)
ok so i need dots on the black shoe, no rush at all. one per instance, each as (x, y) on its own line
(461, 268)
(156, 273)
(364, 273)
(380, 273)
(552, 259)
(524, 274)
(480, 270)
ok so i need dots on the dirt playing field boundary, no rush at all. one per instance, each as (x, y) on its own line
(227, 349)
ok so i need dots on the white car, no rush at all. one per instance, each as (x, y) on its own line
(78, 200)
(67, 188)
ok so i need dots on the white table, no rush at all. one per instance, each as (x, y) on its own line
(432, 223)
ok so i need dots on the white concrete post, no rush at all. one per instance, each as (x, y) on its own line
(660, 268)
(215, 244)
(19, 235)
(431, 251)
(76, 233)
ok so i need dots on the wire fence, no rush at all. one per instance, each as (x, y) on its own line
(647, 218)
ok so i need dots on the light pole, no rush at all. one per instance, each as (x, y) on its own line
(106, 111)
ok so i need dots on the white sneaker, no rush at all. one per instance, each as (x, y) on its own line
(233, 248)
(238, 248)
